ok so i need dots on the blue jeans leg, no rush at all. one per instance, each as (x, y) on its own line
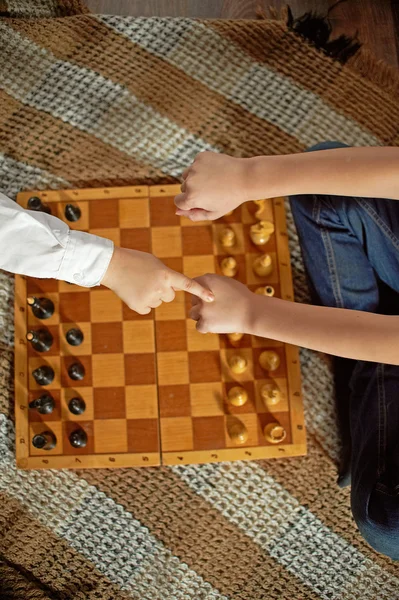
(350, 248)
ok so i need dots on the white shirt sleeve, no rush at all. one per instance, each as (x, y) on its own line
(40, 245)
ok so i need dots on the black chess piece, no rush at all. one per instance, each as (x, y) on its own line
(43, 375)
(72, 212)
(35, 203)
(41, 339)
(76, 371)
(45, 440)
(74, 336)
(44, 405)
(77, 406)
(42, 308)
(78, 438)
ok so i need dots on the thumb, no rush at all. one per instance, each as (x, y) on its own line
(195, 214)
(181, 282)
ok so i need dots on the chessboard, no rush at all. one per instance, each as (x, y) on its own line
(97, 385)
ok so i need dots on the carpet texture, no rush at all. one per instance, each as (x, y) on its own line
(91, 100)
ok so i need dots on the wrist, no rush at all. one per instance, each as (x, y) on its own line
(273, 176)
(109, 275)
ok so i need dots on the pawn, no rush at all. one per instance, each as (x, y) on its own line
(44, 441)
(235, 337)
(270, 394)
(274, 433)
(237, 396)
(41, 340)
(77, 406)
(74, 336)
(229, 266)
(260, 232)
(227, 237)
(42, 308)
(238, 433)
(267, 290)
(44, 405)
(263, 265)
(43, 375)
(78, 438)
(238, 364)
(76, 371)
(269, 360)
(72, 213)
(35, 203)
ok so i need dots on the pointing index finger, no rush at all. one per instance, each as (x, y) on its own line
(181, 282)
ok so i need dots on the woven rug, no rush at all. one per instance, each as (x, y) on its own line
(103, 100)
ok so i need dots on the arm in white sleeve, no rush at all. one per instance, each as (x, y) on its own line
(40, 245)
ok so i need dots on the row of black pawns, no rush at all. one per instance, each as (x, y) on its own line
(72, 213)
(42, 341)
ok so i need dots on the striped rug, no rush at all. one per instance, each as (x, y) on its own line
(88, 100)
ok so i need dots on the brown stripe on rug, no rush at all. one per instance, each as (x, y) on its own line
(196, 533)
(53, 565)
(188, 102)
(49, 143)
(337, 84)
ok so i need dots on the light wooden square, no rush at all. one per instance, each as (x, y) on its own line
(172, 311)
(206, 399)
(108, 370)
(81, 224)
(112, 234)
(176, 434)
(250, 421)
(55, 317)
(282, 406)
(110, 436)
(85, 347)
(105, 307)
(166, 241)
(200, 341)
(134, 213)
(86, 394)
(141, 402)
(239, 246)
(63, 286)
(172, 368)
(186, 222)
(252, 278)
(227, 374)
(194, 266)
(51, 361)
(138, 337)
(37, 427)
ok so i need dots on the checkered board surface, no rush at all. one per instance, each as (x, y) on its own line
(155, 389)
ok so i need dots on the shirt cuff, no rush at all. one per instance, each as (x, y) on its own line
(86, 259)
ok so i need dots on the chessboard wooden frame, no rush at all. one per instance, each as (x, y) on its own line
(296, 447)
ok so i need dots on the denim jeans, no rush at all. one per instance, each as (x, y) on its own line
(350, 248)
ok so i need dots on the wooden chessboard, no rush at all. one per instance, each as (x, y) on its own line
(155, 389)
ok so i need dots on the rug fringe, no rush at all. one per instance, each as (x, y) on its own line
(376, 71)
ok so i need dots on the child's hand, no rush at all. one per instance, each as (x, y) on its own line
(231, 311)
(213, 185)
(143, 282)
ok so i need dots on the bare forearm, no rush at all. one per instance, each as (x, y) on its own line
(336, 331)
(371, 172)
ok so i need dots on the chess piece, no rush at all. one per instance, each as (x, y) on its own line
(227, 237)
(41, 339)
(43, 375)
(260, 232)
(78, 438)
(74, 336)
(274, 433)
(229, 266)
(237, 432)
(263, 265)
(45, 440)
(77, 406)
(261, 207)
(35, 203)
(270, 394)
(267, 290)
(42, 308)
(76, 371)
(237, 396)
(235, 337)
(44, 405)
(72, 213)
(269, 360)
(238, 364)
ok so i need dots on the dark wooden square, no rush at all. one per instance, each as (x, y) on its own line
(162, 212)
(35, 416)
(170, 336)
(208, 433)
(204, 366)
(109, 403)
(136, 239)
(103, 214)
(197, 240)
(175, 263)
(66, 362)
(244, 342)
(174, 400)
(249, 406)
(68, 427)
(235, 217)
(75, 307)
(107, 338)
(139, 369)
(131, 315)
(142, 435)
(41, 286)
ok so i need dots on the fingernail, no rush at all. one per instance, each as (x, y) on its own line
(209, 298)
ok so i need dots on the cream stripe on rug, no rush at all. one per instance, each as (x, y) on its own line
(16, 176)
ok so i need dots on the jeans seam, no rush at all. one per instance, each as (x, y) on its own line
(382, 420)
(378, 221)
